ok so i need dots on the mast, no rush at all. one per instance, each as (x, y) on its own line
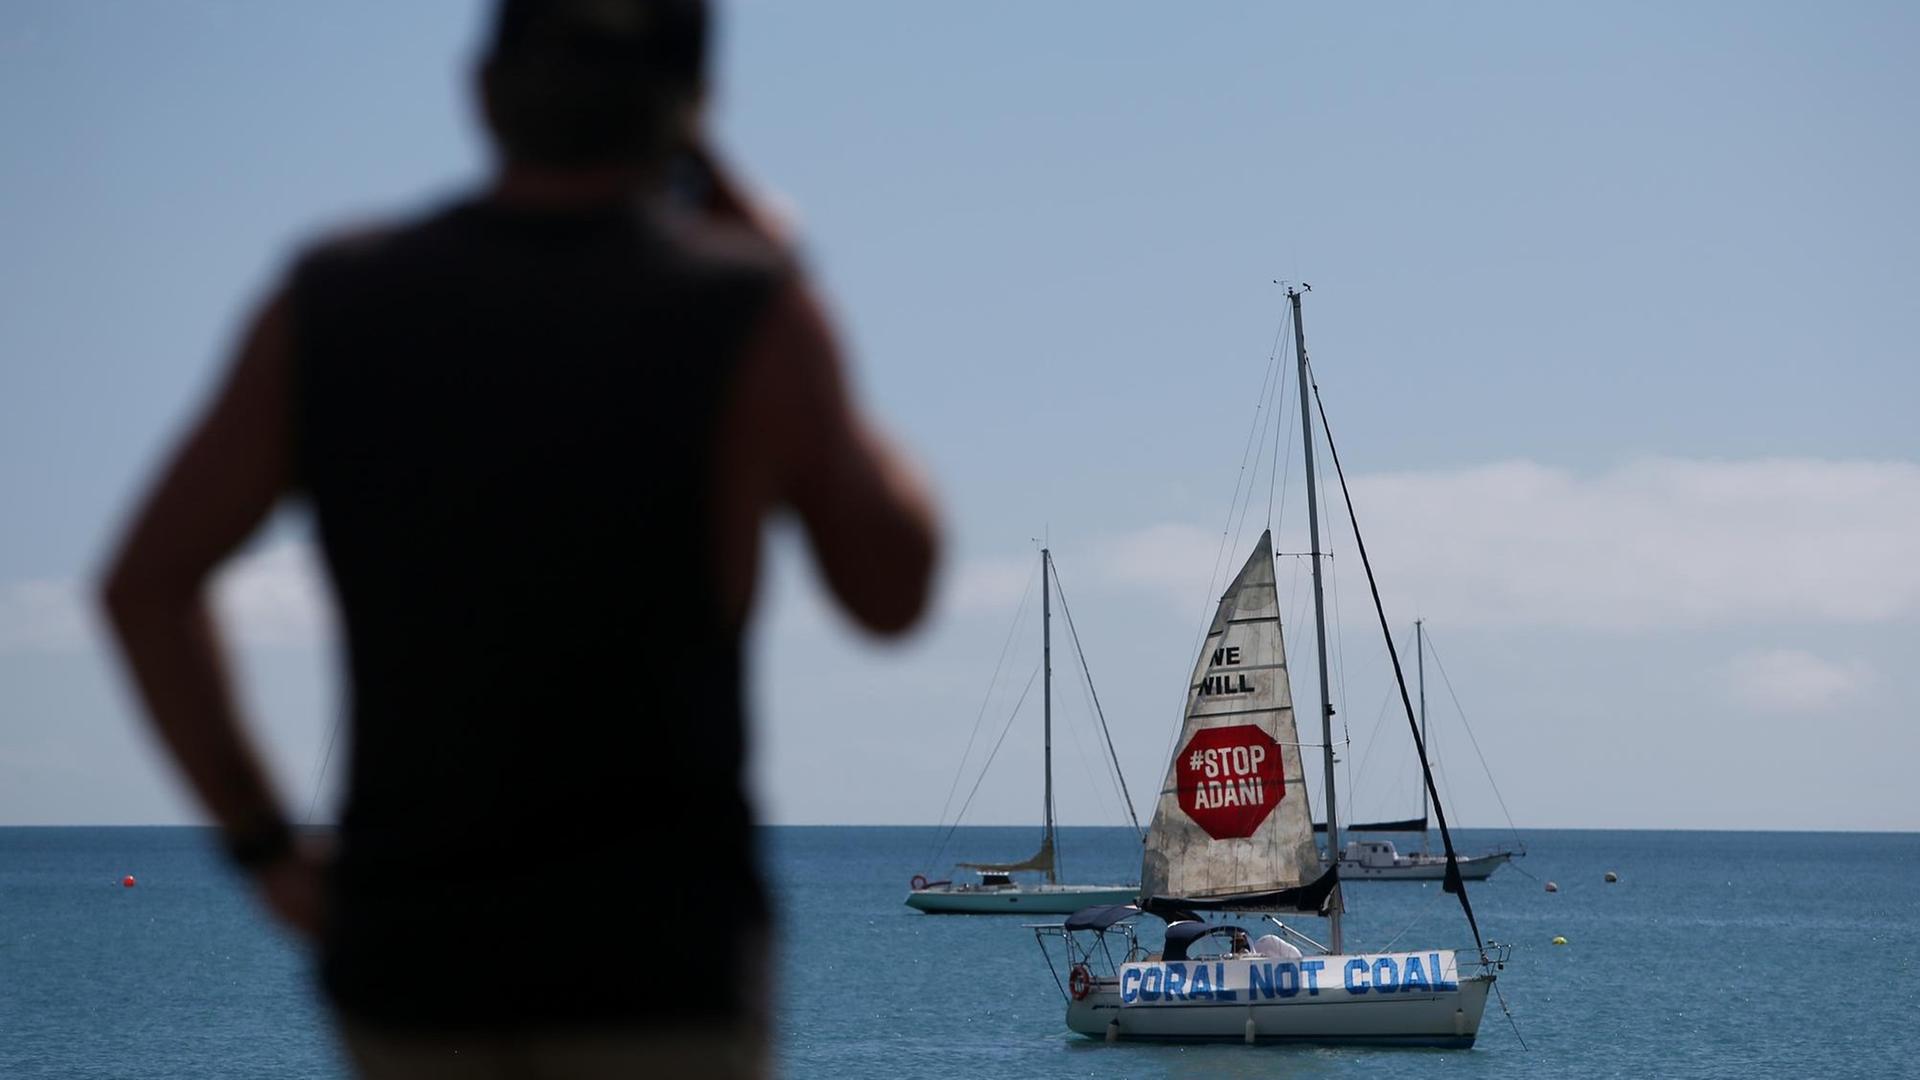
(1420, 652)
(1046, 698)
(1319, 604)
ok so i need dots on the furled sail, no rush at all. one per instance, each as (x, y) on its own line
(1412, 824)
(1232, 827)
(1042, 860)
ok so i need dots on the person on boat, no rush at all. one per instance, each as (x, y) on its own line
(539, 430)
(1275, 947)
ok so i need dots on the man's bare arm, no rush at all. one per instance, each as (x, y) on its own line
(796, 438)
(221, 483)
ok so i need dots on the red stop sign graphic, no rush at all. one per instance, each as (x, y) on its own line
(1230, 779)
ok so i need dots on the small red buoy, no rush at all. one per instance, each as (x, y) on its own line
(127, 881)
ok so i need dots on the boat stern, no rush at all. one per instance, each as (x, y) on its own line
(1097, 1015)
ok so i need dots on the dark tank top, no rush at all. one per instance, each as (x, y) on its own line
(505, 423)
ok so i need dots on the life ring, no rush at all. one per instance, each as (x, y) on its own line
(1080, 982)
(919, 882)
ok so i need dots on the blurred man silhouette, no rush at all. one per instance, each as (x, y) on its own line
(539, 431)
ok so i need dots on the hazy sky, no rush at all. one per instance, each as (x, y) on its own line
(1613, 310)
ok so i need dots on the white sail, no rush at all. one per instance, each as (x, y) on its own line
(1232, 819)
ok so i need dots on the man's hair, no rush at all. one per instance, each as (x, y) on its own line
(593, 82)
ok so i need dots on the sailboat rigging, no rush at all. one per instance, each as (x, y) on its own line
(996, 891)
(1232, 832)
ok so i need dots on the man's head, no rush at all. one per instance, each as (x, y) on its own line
(593, 83)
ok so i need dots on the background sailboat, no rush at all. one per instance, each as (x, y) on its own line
(997, 891)
(1381, 860)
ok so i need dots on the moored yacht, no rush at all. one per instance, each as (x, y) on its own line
(1232, 835)
(997, 891)
(1381, 860)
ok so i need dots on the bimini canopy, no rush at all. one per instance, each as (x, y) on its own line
(1181, 936)
(1101, 916)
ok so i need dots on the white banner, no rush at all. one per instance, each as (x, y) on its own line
(1256, 979)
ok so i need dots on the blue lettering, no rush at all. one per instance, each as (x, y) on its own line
(1220, 991)
(1440, 980)
(1150, 982)
(1312, 970)
(1202, 984)
(1415, 977)
(1386, 975)
(1259, 980)
(1176, 981)
(1130, 985)
(1287, 978)
(1356, 967)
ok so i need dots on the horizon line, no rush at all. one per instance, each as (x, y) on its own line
(1844, 829)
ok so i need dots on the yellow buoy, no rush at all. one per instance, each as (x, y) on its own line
(1559, 941)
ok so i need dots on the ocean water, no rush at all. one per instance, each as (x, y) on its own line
(1716, 954)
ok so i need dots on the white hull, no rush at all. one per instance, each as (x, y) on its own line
(1447, 1018)
(1415, 868)
(944, 899)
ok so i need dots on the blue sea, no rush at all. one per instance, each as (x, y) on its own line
(1716, 954)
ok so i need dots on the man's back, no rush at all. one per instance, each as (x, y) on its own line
(506, 422)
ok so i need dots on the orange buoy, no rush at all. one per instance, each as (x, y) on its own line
(127, 882)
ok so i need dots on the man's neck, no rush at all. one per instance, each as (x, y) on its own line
(534, 187)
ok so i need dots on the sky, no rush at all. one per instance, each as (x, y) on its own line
(1612, 312)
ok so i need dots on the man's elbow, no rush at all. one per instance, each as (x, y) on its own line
(899, 599)
(116, 594)
(126, 594)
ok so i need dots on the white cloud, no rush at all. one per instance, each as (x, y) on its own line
(1792, 680)
(1169, 559)
(986, 586)
(43, 616)
(1173, 560)
(273, 597)
(1656, 543)
(276, 596)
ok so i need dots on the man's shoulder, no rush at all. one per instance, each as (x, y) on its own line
(723, 247)
(359, 242)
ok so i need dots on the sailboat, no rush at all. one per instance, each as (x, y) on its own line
(1232, 833)
(1380, 860)
(997, 891)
